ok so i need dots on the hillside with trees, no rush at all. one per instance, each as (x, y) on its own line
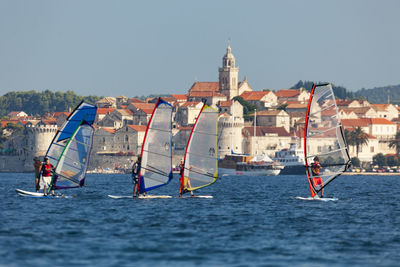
(377, 95)
(380, 94)
(39, 103)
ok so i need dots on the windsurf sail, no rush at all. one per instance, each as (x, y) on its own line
(201, 162)
(156, 167)
(70, 149)
(324, 138)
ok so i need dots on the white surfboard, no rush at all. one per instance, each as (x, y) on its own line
(325, 199)
(141, 197)
(197, 197)
(24, 193)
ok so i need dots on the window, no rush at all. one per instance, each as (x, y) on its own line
(372, 149)
(319, 149)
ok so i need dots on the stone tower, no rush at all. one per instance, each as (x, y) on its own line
(228, 75)
(230, 126)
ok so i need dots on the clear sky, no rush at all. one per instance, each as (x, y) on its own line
(126, 47)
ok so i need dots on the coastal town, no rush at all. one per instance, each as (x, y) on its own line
(276, 124)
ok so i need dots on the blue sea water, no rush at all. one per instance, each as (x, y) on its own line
(251, 221)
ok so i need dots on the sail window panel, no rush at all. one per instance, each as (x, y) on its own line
(201, 155)
(157, 154)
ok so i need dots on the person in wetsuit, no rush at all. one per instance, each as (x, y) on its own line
(316, 171)
(47, 172)
(37, 165)
(135, 176)
(182, 188)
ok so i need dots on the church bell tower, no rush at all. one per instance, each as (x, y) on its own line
(228, 75)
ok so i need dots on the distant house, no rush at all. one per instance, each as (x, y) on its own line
(107, 102)
(262, 99)
(141, 112)
(17, 114)
(102, 112)
(211, 98)
(187, 113)
(300, 95)
(179, 98)
(265, 139)
(231, 107)
(275, 118)
(386, 111)
(129, 138)
(361, 112)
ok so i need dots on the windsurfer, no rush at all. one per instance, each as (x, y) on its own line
(316, 170)
(37, 165)
(182, 189)
(135, 175)
(47, 171)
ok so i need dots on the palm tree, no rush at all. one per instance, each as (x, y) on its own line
(395, 143)
(358, 138)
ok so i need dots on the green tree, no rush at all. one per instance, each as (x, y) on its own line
(282, 107)
(355, 162)
(380, 160)
(391, 160)
(358, 138)
(248, 108)
(395, 143)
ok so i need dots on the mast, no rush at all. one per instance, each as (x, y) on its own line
(254, 131)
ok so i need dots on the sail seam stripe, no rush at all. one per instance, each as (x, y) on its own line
(205, 133)
(312, 133)
(200, 155)
(326, 153)
(152, 152)
(319, 111)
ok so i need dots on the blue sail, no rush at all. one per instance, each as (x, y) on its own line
(70, 149)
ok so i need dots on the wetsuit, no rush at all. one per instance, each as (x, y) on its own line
(315, 169)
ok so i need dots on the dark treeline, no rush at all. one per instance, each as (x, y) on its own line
(39, 103)
(339, 91)
(377, 95)
(380, 94)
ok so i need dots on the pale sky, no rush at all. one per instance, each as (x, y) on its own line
(126, 47)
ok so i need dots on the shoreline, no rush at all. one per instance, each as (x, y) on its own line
(373, 173)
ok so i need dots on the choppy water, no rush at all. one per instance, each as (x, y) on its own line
(252, 221)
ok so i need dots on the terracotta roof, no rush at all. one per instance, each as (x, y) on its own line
(328, 112)
(204, 86)
(381, 121)
(205, 94)
(381, 107)
(190, 104)
(49, 121)
(135, 100)
(364, 122)
(225, 103)
(138, 128)
(110, 130)
(254, 95)
(342, 102)
(185, 128)
(104, 111)
(145, 107)
(296, 105)
(264, 130)
(179, 97)
(287, 93)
